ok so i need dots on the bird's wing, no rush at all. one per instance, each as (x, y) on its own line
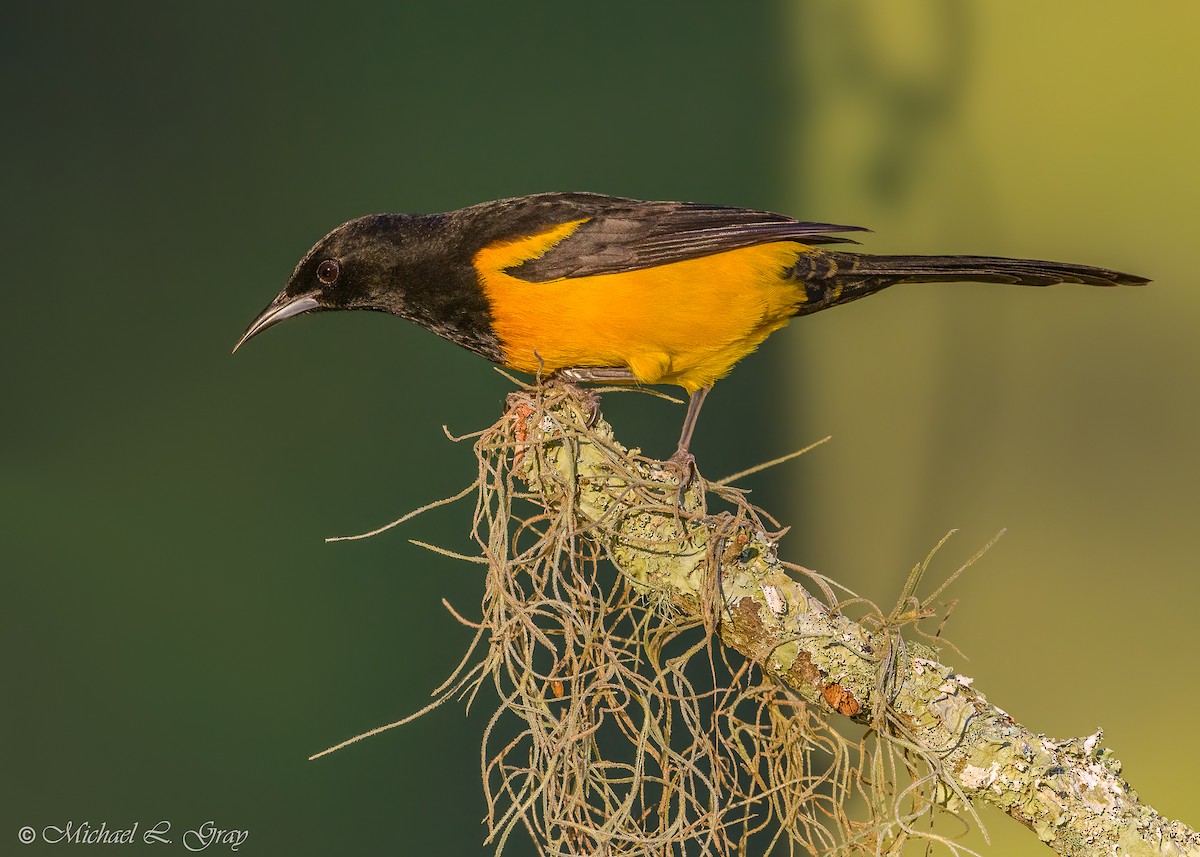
(624, 234)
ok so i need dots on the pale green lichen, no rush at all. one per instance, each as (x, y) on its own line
(1069, 793)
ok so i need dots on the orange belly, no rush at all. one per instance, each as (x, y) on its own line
(686, 323)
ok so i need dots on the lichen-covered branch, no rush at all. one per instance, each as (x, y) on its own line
(1069, 793)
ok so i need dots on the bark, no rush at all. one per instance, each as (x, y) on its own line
(1069, 793)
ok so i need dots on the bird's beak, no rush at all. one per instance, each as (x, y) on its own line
(277, 310)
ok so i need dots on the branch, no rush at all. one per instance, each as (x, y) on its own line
(723, 568)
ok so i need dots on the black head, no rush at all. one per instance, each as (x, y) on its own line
(360, 265)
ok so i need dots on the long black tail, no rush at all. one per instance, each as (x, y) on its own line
(833, 278)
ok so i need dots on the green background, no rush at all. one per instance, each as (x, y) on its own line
(176, 637)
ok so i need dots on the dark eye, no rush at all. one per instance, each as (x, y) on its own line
(327, 271)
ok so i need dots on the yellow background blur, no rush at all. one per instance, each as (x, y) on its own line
(1069, 416)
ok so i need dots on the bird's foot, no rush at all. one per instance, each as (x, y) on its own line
(590, 400)
(682, 465)
(587, 397)
(574, 376)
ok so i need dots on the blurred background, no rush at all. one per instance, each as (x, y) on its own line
(176, 637)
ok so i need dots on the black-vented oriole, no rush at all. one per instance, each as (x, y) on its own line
(599, 287)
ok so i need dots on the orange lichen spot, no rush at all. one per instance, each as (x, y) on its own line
(841, 700)
(521, 414)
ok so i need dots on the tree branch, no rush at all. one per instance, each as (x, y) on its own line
(1070, 793)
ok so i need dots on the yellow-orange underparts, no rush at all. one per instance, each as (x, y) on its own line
(685, 323)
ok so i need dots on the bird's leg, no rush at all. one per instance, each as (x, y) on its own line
(695, 402)
(596, 374)
(682, 459)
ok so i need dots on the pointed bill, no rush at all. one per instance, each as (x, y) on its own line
(279, 309)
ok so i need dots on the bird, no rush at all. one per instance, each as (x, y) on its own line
(595, 288)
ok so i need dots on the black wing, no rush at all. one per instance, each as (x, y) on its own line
(628, 234)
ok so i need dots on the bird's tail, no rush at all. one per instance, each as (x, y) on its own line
(831, 278)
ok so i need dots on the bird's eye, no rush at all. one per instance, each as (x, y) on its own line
(327, 271)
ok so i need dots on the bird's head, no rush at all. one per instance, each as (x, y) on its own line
(359, 265)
